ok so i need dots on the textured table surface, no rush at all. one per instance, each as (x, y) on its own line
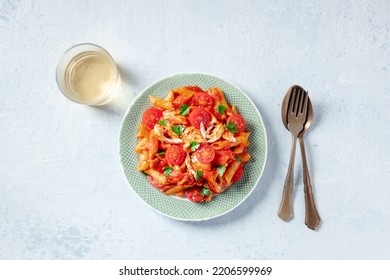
(62, 192)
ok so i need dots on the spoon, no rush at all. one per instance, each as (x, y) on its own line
(312, 219)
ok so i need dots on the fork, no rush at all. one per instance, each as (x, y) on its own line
(296, 118)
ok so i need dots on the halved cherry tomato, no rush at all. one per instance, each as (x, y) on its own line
(151, 116)
(205, 153)
(159, 165)
(175, 155)
(200, 115)
(155, 183)
(237, 176)
(238, 121)
(180, 100)
(203, 99)
(193, 194)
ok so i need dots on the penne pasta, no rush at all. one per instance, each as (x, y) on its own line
(244, 157)
(141, 146)
(157, 175)
(187, 92)
(143, 131)
(242, 137)
(224, 145)
(143, 164)
(240, 148)
(220, 98)
(153, 145)
(176, 189)
(192, 143)
(160, 102)
(170, 97)
(234, 110)
(230, 171)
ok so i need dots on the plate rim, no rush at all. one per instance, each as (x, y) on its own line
(141, 93)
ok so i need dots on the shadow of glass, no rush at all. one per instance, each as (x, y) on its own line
(124, 96)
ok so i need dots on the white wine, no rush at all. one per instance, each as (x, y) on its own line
(88, 77)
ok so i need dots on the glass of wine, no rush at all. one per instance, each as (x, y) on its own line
(87, 74)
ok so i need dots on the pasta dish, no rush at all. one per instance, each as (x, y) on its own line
(192, 143)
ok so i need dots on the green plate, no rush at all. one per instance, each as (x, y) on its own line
(175, 207)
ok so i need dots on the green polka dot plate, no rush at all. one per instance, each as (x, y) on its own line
(179, 208)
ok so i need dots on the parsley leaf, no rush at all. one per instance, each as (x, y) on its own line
(184, 109)
(205, 192)
(167, 171)
(177, 129)
(163, 122)
(160, 153)
(232, 127)
(221, 169)
(198, 174)
(220, 109)
(238, 158)
(194, 145)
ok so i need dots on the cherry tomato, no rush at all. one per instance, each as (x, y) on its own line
(203, 99)
(175, 155)
(237, 176)
(190, 180)
(151, 116)
(180, 100)
(159, 165)
(199, 115)
(238, 121)
(194, 195)
(155, 183)
(205, 153)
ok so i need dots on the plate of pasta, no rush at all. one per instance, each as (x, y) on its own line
(193, 146)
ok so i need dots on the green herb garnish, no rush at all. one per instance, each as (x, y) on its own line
(205, 192)
(232, 127)
(161, 153)
(238, 158)
(163, 122)
(198, 174)
(184, 109)
(194, 145)
(221, 169)
(167, 171)
(220, 109)
(177, 129)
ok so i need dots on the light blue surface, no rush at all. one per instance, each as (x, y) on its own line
(62, 192)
